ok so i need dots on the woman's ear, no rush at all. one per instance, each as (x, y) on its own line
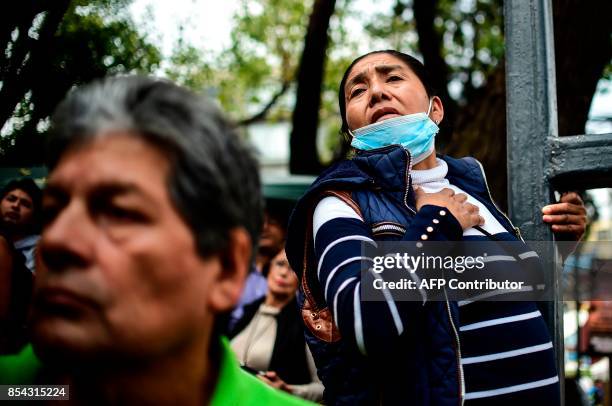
(437, 110)
(235, 265)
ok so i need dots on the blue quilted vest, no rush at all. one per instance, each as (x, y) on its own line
(424, 369)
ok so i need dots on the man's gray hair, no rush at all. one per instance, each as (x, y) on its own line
(213, 182)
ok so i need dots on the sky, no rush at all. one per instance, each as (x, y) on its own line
(207, 25)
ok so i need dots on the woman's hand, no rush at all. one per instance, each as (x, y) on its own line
(567, 218)
(465, 213)
(272, 379)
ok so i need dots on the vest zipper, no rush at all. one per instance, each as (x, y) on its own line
(408, 181)
(450, 316)
(517, 231)
(458, 343)
(388, 227)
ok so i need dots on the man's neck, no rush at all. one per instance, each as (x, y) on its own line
(18, 237)
(12, 233)
(186, 378)
(262, 260)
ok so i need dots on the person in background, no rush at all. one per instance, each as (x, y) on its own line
(19, 221)
(152, 211)
(271, 241)
(20, 203)
(6, 271)
(270, 336)
(16, 283)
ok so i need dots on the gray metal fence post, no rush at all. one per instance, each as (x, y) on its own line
(538, 159)
(531, 107)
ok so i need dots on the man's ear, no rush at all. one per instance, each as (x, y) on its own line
(235, 265)
(437, 110)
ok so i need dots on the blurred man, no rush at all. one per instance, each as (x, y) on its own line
(150, 217)
(271, 241)
(20, 214)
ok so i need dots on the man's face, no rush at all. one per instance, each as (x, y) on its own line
(119, 272)
(272, 234)
(16, 208)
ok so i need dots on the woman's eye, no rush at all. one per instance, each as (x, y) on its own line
(393, 78)
(357, 92)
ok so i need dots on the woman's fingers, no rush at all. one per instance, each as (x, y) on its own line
(577, 229)
(471, 208)
(572, 197)
(447, 192)
(564, 219)
(562, 208)
(460, 197)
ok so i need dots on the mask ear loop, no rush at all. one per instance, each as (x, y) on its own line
(429, 111)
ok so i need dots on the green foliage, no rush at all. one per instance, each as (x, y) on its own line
(265, 50)
(471, 32)
(266, 43)
(94, 39)
(393, 27)
(94, 45)
(473, 40)
(188, 68)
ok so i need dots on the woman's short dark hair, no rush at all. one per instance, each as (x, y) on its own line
(414, 64)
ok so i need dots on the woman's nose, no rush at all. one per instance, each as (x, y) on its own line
(377, 92)
(283, 271)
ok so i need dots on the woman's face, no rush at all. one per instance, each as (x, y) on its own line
(282, 281)
(380, 87)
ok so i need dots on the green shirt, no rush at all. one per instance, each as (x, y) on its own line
(234, 386)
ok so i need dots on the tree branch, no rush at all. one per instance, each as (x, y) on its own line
(304, 158)
(261, 115)
(430, 45)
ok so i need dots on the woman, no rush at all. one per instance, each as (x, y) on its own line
(396, 188)
(270, 336)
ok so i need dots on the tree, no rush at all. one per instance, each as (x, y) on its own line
(255, 78)
(309, 83)
(51, 47)
(480, 126)
(462, 46)
(252, 77)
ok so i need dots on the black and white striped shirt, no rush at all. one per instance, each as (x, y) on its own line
(506, 351)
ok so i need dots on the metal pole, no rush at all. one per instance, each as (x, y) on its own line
(531, 107)
(578, 305)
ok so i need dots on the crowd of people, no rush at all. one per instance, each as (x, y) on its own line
(163, 276)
